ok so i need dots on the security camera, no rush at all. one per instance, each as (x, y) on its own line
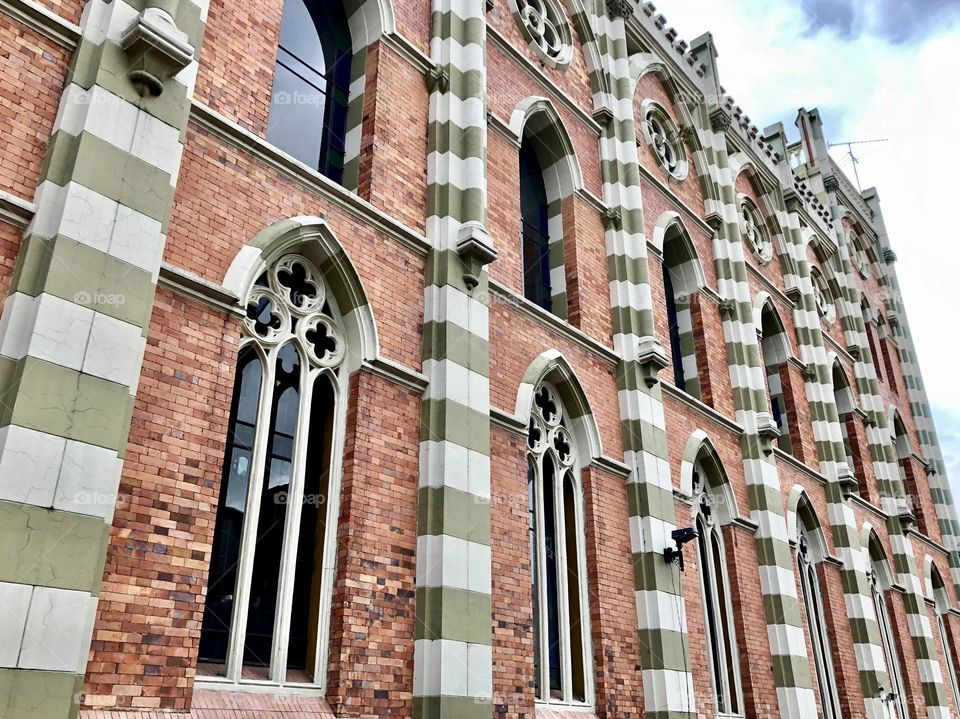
(680, 537)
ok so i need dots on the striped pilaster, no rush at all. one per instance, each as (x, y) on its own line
(919, 403)
(860, 610)
(778, 582)
(661, 610)
(453, 661)
(904, 560)
(72, 337)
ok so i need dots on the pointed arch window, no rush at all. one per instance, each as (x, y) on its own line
(682, 279)
(562, 665)
(535, 229)
(271, 571)
(720, 629)
(775, 351)
(311, 87)
(809, 556)
(879, 578)
(941, 603)
(845, 401)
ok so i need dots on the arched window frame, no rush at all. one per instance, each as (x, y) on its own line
(279, 316)
(880, 580)
(712, 509)
(753, 228)
(664, 140)
(811, 551)
(548, 432)
(941, 606)
(775, 351)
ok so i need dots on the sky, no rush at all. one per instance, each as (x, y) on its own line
(876, 69)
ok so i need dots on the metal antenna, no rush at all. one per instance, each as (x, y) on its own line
(853, 158)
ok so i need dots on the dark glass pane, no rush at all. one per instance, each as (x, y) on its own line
(274, 498)
(674, 328)
(713, 636)
(724, 620)
(577, 659)
(534, 229)
(532, 529)
(214, 633)
(308, 580)
(308, 110)
(553, 595)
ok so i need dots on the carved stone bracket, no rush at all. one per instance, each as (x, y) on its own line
(476, 250)
(612, 218)
(831, 183)
(603, 115)
(728, 309)
(767, 431)
(157, 50)
(848, 482)
(720, 121)
(809, 371)
(652, 358)
(854, 351)
(437, 79)
(889, 256)
(619, 8)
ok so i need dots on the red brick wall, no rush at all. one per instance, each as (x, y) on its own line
(147, 630)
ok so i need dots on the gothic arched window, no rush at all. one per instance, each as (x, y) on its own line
(562, 666)
(271, 571)
(941, 603)
(311, 86)
(708, 505)
(880, 579)
(809, 556)
(775, 351)
(535, 230)
(682, 281)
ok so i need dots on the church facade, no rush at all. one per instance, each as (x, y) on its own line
(466, 360)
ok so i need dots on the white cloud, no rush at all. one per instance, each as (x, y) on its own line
(867, 88)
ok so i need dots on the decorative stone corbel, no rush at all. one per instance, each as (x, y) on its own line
(848, 482)
(652, 358)
(794, 294)
(720, 120)
(767, 432)
(687, 133)
(619, 8)
(854, 351)
(889, 256)
(728, 309)
(831, 183)
(928, 468)
(809, 372)
(893, 319)
(476, 251)
(157, 50)
(437, 79)
(906, 516)
(612, 218)
(603, 115)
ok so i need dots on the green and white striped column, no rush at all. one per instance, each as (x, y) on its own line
(72, 337)
(661, 610)
(453, 659)
(778, 585)
(919, 403)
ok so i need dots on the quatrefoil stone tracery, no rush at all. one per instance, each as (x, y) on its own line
(665, 142)
(546, 28)
(290, 301)
(755, 233)
(546, 433)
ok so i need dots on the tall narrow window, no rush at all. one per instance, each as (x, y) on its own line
(311, 87)
(535, 230)
(845, 401)
(715, 590)
(682, 280)
(895, 695)
(807, 560)
(941, 602)
(871, 331)
(775, 351)
(561, 624)
(268, 592)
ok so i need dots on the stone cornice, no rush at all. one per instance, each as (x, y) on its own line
(408, 51)
(225, 129)
(39, 19)
(507, 421)
(611, 465)
(15, 210)
(703, 409)
(397, 373)
(554, 323)
(187, 284)
(787, 458)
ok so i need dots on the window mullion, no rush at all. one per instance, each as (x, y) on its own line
(720, 585)
(563, 584)
(241, 600)
(291, 531)
(543, 631)
(330, 538)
